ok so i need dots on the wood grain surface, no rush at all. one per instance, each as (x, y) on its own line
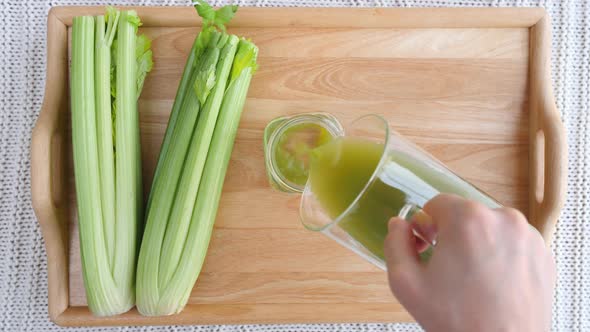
(459, 84)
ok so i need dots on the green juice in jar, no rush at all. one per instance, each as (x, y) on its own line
(288, 141)
(292, 150)
(343, 168)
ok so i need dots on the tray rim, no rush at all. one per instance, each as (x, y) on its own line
(547, 184)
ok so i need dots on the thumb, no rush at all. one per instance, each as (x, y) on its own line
(403, 263)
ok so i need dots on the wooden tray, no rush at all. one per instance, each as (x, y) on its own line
(472, 86)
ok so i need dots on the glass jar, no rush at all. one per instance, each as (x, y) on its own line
(287, 143)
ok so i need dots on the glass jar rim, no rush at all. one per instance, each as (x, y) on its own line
(325, 120)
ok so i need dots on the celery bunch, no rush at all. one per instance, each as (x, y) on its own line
(109, 64)
(192, 164)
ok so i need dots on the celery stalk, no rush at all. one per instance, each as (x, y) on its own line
(101, 292)
(196, 51)
(105, 33)
(128, 185)
(162, 195)
(191, 167)
(107, 160)
(192, 172)
(177, 291)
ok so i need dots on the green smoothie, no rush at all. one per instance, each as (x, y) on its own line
(341, 168)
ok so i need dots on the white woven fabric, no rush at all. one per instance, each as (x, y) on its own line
(23, 276)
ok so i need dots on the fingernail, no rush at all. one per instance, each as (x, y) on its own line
(392, 223)
(422, 218)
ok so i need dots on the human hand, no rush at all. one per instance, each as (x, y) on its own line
(490, 270)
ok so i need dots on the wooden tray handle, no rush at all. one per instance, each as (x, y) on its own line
(555, 172)
(549, 150)
(47, 167)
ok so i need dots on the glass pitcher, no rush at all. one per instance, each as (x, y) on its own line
(364, 176)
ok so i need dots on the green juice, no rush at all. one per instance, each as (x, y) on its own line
(293, 148)
(341, 168)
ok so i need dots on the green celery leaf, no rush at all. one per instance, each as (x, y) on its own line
(245, 57)
(218, 18)
(206, 12)
(145, 63)
(205, 80)
(201, 43)
(224, 14)
(142, 44)
(144, 66)
(133, 18)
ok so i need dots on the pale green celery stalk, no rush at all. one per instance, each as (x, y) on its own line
(197, 50)
(128, 184)
(177, 291)
(108, 180)
(101, 291)
(144, 61)
(105, 33)
(194, 164)
(167, 175)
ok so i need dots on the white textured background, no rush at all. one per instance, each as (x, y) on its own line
(23, 276)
